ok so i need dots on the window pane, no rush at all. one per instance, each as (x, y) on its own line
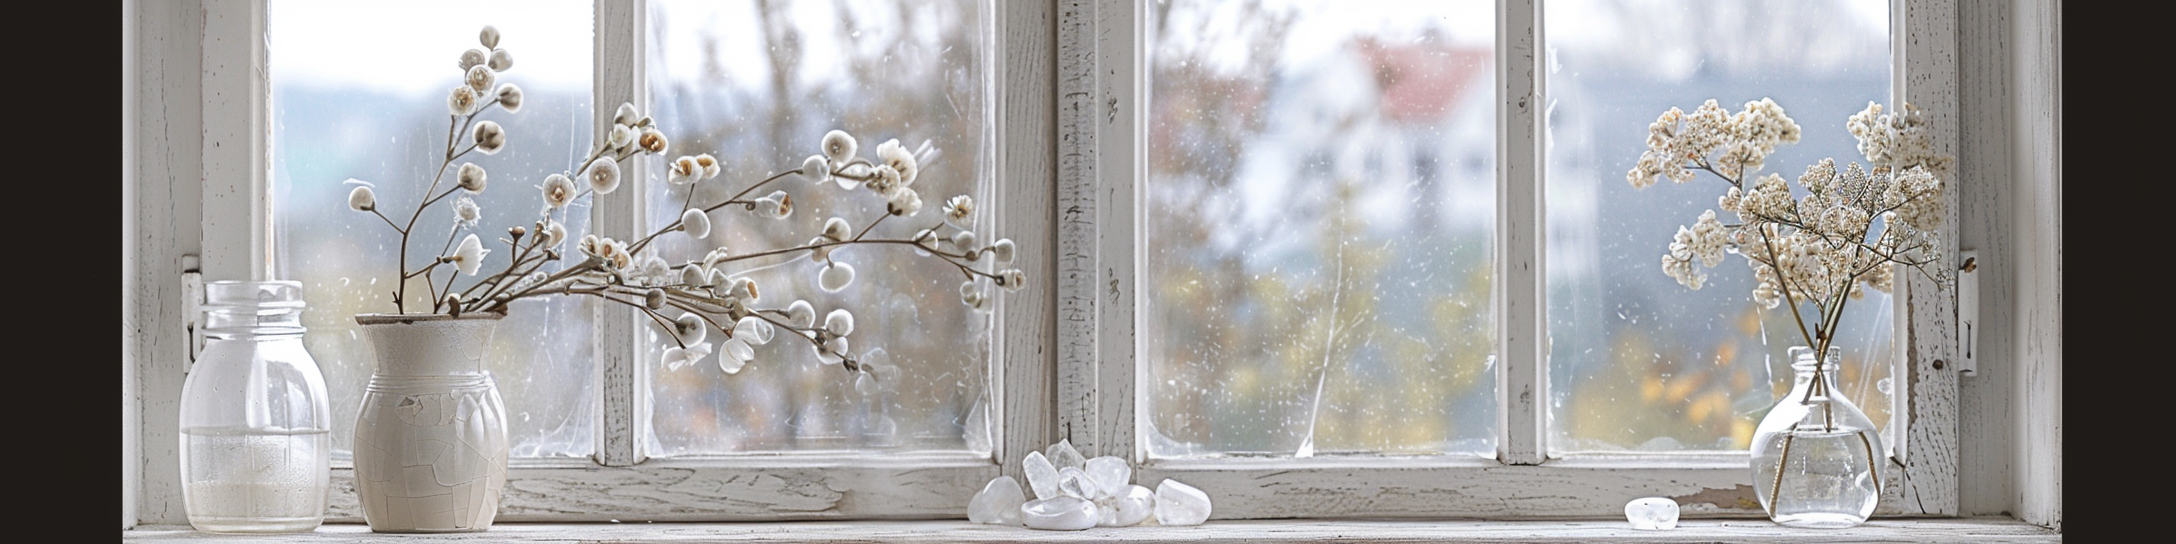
(1321, 202)
(359, 91)
(757, 84)
(1638, 362)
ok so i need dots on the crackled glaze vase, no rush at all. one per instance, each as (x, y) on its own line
(430, 440)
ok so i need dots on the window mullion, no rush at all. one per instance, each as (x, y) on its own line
(620, 79)
(1521, 383)
(1026, 187)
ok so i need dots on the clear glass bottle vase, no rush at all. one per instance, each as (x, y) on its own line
(255, 449)
(1817, 459)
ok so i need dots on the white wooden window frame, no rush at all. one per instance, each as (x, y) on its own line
(618, 482)
(195, 90)
(1102, 117)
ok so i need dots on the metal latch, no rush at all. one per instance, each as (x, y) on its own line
(192, 295)
(1968, 312)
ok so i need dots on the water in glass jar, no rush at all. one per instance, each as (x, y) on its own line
(255, 480)
(1829, 480)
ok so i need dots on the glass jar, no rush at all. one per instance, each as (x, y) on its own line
(1816, 458)
(255, 448)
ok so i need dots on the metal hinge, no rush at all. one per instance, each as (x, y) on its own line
(192, 293)
(1968, 312)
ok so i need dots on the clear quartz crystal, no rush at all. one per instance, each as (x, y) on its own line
(1129, 508)
(1074, 482)
(1042, 477)
(998, 503)
(1063, 455)
(1059, 514)
(1651, 514)
(1111, 476)
(1816, 457)
(1180, 504)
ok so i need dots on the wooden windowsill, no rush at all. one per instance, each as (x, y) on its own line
(1917, 531)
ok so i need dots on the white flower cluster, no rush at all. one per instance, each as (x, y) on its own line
(1896, 140)
(1712, 139)
(1838, 232)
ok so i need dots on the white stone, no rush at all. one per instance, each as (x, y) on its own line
(1042, 477)
(1059, 514)
(1063, 455)
(1180, 504)
(998, 503)
(1651, 514)
(1111, 476)
(1127, 509)
(1074, 482)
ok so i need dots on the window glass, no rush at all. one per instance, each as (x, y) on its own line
(757, 84)
(1636, 361)
(359, 91)
(1319, 222)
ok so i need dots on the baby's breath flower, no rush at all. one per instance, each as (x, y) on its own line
(626, 115)
(834, 351)
(558, 190)
(711, 166)
(552, 234)
(480, 79)
(819, 250)
(904, 203)
(462, 101)
(489, 137)
(972, 294)
(778, 205)
(959, 211)
(501, 60)
(620, 137)
(682, 171)
(1002, 251)
(362, 199)
(836, 229)
(753, 330)
(465, 212)
(611, 253)
(835, 277)
(471, 58)
(676, 356)
(965, 240)
(800, 314)
(737, 356)
(651, 270)
(885, 182)
(470, 177)
(816, 168)
(696, 223)
(838, 146)
(839, 322)
(652, 140)
(489, 36)
(690, 328)
(469, 255)
(694, 276)
(744, 290)
(510, 97)
(891, 154)
(604, 176)
(1012, 279)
